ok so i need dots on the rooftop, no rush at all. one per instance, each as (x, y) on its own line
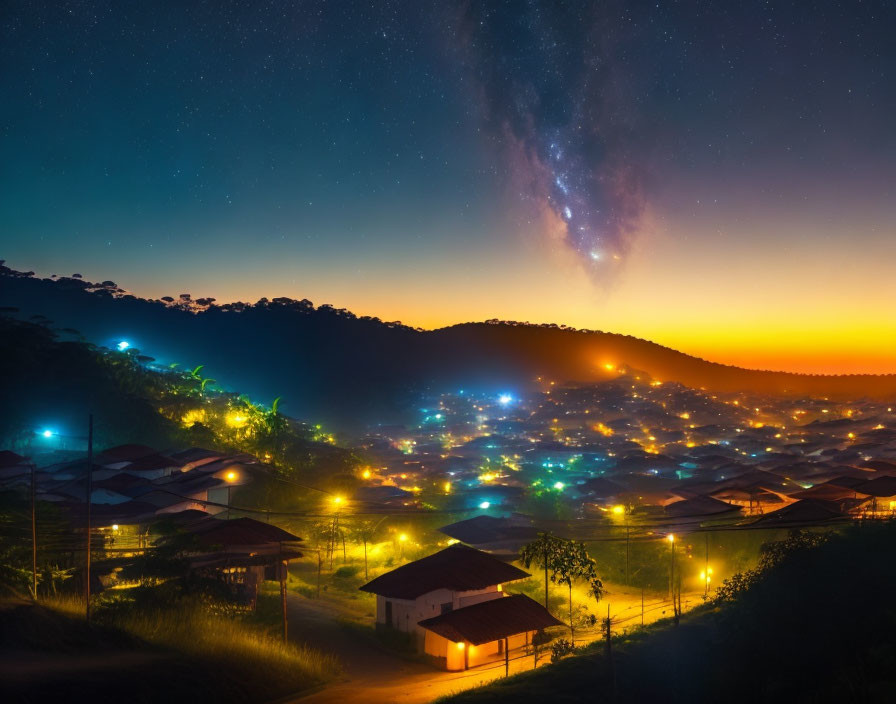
(491, 620)
(458, 568)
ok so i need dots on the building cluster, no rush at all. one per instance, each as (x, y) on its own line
(640, 448)
(134, 489)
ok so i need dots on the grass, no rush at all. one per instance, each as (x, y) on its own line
(185, 652)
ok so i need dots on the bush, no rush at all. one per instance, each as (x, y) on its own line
(560, 649)
(346, 572)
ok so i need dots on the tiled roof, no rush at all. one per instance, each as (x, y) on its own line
(458, 568)
(491, 620)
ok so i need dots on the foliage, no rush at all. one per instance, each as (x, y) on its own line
(560, 649)
(816, 625)
(543, 552)
(771, 555)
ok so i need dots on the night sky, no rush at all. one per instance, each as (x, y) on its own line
(718, 177)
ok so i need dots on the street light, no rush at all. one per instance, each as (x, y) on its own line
(48, 433)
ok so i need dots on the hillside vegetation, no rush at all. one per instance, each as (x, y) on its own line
(333, 365)
(814, 623)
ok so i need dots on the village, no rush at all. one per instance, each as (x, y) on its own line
(496, 535)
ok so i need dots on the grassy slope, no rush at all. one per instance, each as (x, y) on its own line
(49, 653)
(819, 627)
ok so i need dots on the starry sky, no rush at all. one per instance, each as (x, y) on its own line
(719, 177)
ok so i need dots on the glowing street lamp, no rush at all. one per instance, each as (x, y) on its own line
(47, 433)
(484, 505)
(123, 345)
(505, 399)
(618, 510)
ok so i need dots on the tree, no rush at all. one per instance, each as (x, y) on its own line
(572, 564)
(364, 531)
(543, 552)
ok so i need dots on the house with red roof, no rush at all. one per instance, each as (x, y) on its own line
(454, 605)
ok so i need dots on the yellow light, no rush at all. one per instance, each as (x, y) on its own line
(191, 417)
(685, 416)
(610, 367)
(461, 646)
(114, 526)
(365, 474)
(619, 510)
(670, 538)
(500, 587)
(337, 500)
(447, 487)
(402, 538)
(851, 436)
(602, 429)
(236, 420)
(230, 476)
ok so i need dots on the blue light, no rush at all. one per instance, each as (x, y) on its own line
(47, 433)
(123, 345)
(504, 399)
(485, 504)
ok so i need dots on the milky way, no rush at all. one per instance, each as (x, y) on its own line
(552, 79)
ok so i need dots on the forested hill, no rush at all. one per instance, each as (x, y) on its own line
(330, 364)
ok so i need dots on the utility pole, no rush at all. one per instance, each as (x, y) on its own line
(626, 550)
(607, 633)
(282, 567)
(89, 491)
(642, 606)
(671, 539)
(33, 537)
(706, 568)
(506, 658)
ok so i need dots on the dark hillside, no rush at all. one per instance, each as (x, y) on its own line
(817, 625)
(329, 364)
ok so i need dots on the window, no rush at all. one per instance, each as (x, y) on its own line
(446, 607)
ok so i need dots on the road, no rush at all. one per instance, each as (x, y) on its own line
(374, 675)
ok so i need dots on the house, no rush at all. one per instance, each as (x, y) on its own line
(460, 581)
(483, 632)
(242, 553)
